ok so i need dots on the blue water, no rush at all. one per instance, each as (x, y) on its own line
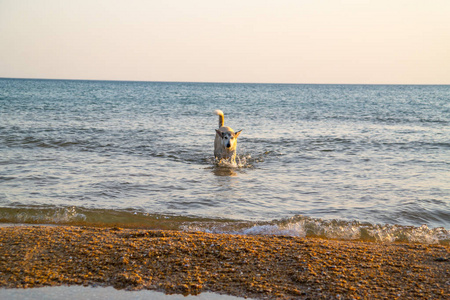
(348, 154)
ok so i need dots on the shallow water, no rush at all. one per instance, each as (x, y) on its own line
(142, 152)
(99, 293)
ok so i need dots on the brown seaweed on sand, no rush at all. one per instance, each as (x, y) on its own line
(249, 266)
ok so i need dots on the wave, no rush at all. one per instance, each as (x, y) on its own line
(298, 226)
(79, 216)
(302, 226)
(46, 142)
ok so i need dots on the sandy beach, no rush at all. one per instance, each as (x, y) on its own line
(246, 266)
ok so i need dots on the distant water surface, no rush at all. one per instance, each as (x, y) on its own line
(142, 152)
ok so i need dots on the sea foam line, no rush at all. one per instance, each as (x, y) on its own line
(332, 229)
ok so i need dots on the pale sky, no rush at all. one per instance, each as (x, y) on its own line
(279, 41)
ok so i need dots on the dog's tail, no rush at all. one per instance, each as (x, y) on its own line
(221, 117)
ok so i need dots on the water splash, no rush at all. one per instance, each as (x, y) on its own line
(242, 161)
(226, 167)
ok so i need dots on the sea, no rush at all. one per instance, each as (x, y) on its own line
(368, 162)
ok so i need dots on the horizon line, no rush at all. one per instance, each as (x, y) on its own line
(218, 82)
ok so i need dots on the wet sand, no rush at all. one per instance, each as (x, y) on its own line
(246, 266)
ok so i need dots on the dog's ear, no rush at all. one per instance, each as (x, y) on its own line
(236, 134)
(219, 133)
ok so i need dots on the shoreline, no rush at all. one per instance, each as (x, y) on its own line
(186, 263)
(76, 292)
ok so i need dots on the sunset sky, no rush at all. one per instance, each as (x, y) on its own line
(282, 41)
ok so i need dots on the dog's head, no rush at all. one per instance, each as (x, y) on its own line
(228, 138)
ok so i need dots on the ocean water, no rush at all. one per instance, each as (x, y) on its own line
(341, 161)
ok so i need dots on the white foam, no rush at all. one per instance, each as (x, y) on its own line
(335, 229)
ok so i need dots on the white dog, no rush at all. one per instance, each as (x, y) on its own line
(225, 141)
